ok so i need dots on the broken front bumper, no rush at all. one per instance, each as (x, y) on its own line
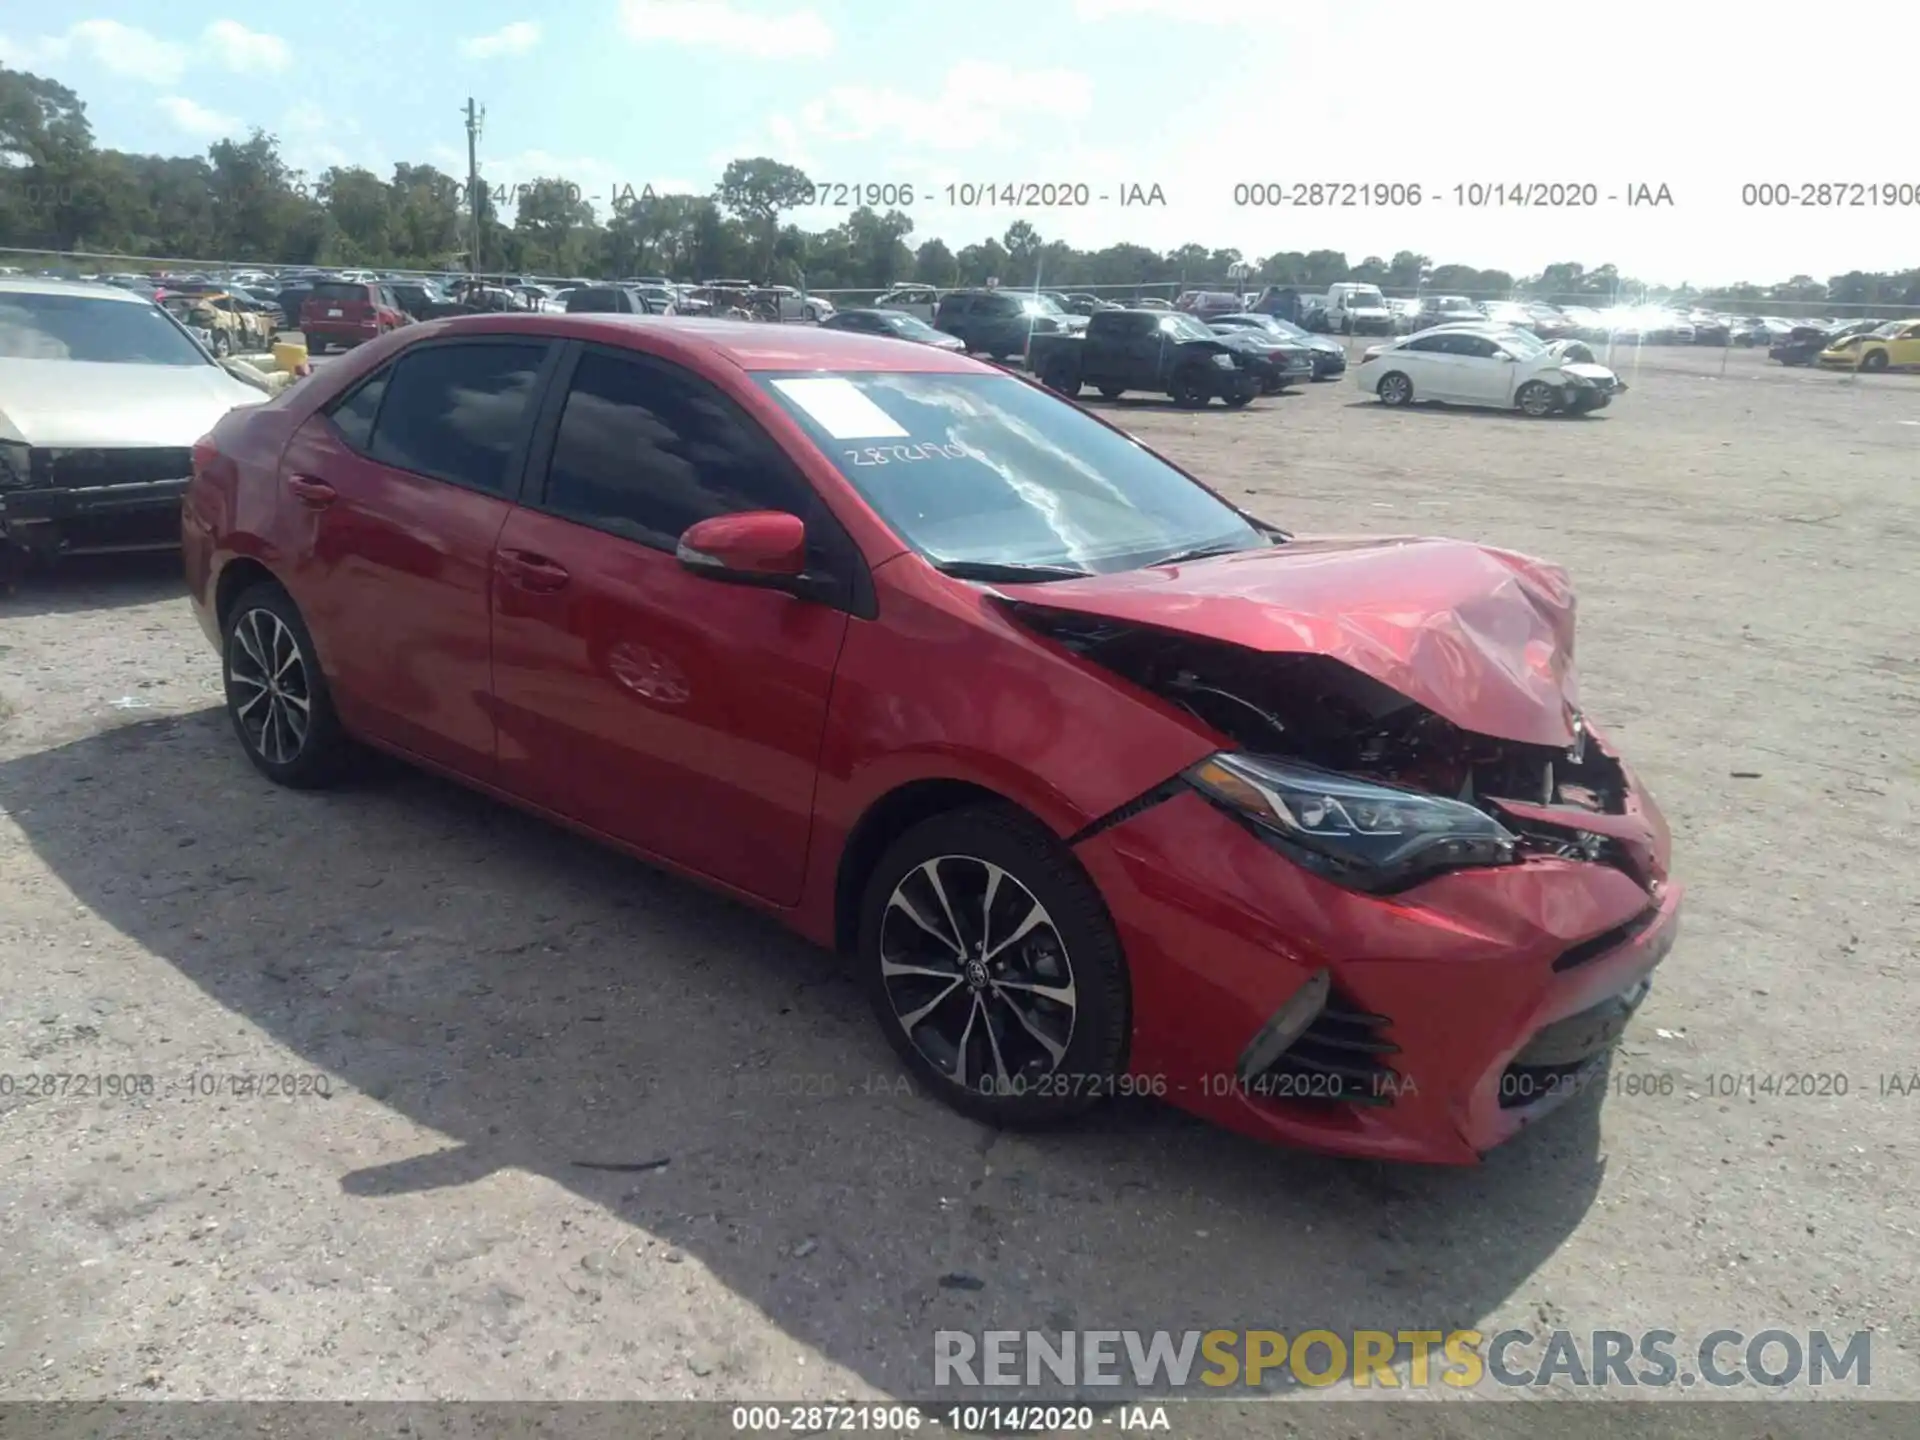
(97, 501)
(1463, 1010)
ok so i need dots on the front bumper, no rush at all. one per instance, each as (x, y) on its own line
(52, 521)
(1483, 1031)
(1840, 359)
(1328, 363)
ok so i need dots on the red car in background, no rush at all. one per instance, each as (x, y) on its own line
(349, 312)
(1109, 786)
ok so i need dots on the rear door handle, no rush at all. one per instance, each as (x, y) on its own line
(532, 572)
(315, 494)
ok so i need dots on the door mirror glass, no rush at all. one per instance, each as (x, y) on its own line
(753, 546)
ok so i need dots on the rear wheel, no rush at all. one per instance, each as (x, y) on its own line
(1237, 402)
(276, 695)
(993, 968)
(1537, 399)
(1394, 389)
(315, 345)
(1111, 392)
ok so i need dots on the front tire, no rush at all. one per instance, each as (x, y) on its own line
(276, 696)
(1062, 377)
(1536, 398)
(1189, 390)
(993, 968)
(1394, 389)
(1111, 392)
(1875, 360)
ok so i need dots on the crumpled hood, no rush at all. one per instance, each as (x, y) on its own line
(1586, 371)
(1482, 637)
(74, 404)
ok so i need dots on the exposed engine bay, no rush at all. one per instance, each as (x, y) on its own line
(1314, 709)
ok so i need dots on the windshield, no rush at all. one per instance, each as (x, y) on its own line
(1523, 343)
(909, 325)
(1890, 329)
(79, 327)
(1185, 327)
(1366, 300)
(988, 469)
(1040, 305)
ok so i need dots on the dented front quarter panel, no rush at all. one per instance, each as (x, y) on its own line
(1482, 637)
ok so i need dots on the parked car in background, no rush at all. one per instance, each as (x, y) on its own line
(349, 312)
(1484, 366)
(1084, 304)
(894, 323)
(999, 323)
(424, 300)
(1803, 344)
(226, 333)
(1147, 302)
(1892, 346)
(102, 395)
(1275, 361)
(1206, 304)
(919, 301)
(1353, 308)
(605, 300)
(1328, 355)
(1445, 310)
(1167, 354)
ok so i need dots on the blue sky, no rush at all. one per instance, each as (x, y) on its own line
(1195, 96)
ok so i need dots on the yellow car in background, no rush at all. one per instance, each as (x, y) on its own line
(1893, 346)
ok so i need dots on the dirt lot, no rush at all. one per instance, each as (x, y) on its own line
(499, 1009)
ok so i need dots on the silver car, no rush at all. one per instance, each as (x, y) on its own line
(102, 396)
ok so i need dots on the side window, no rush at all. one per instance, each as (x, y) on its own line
(353, 413)
(456, 412)
(1477, 346)
(1427, 342)
(644, 451)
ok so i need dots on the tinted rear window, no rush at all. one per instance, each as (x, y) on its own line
(338, 290)
(456, 412)
(593, 302)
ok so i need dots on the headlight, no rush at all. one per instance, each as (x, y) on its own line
(1358, 833)
(1225, 362)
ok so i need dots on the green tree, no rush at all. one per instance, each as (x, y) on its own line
(755, 192)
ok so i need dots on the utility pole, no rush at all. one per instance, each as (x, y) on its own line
(476, 117)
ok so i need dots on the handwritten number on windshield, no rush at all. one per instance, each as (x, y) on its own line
(907, 454)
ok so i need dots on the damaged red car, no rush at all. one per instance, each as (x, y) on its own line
(1109, 786)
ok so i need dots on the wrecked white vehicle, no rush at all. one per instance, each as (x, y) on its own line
(1488, 365)
(102, 396)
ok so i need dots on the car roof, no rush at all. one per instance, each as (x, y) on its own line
(34, 285)
(749, 344)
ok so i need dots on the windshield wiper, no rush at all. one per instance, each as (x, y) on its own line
(1202, 552)
(992, 570)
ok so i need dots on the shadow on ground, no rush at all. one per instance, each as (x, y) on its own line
(96, 582)
(558, 1008)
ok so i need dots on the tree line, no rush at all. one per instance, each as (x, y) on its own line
(61, 193)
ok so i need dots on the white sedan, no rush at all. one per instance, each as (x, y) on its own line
(1486, 365)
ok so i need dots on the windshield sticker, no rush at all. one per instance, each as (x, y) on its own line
(838, 407)
(907, 454)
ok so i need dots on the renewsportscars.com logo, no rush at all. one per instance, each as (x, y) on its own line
(1161, 1361)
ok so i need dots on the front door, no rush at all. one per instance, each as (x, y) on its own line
(677, 713)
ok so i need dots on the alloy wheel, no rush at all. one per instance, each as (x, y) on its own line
(274, 700)
(977, 974)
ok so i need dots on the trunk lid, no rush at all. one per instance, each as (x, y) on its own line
(1482, 637)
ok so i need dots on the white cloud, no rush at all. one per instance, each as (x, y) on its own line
(789, 34)
(1094, 11)
(116, 48)
(306, 118)
(976, 106)
(244, 51)
(196, 119)
(514, 39)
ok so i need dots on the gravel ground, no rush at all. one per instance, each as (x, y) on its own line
(506, 1016)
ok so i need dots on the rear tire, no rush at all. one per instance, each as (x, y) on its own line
(1022, 1034)
(1111, 392)
(277, 698)
(1236, 402)
(1394, 389)
(1062, 376)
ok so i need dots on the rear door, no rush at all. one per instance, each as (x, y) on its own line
(393, 498)
(1423, 360)
(676, 713)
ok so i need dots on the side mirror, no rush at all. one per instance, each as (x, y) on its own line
(756, 547)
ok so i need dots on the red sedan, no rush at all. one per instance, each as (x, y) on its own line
(1109, 786)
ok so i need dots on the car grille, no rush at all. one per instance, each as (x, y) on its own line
(90, 468)
(1339, 1059)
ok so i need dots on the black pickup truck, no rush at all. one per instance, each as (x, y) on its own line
(1168, 353)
